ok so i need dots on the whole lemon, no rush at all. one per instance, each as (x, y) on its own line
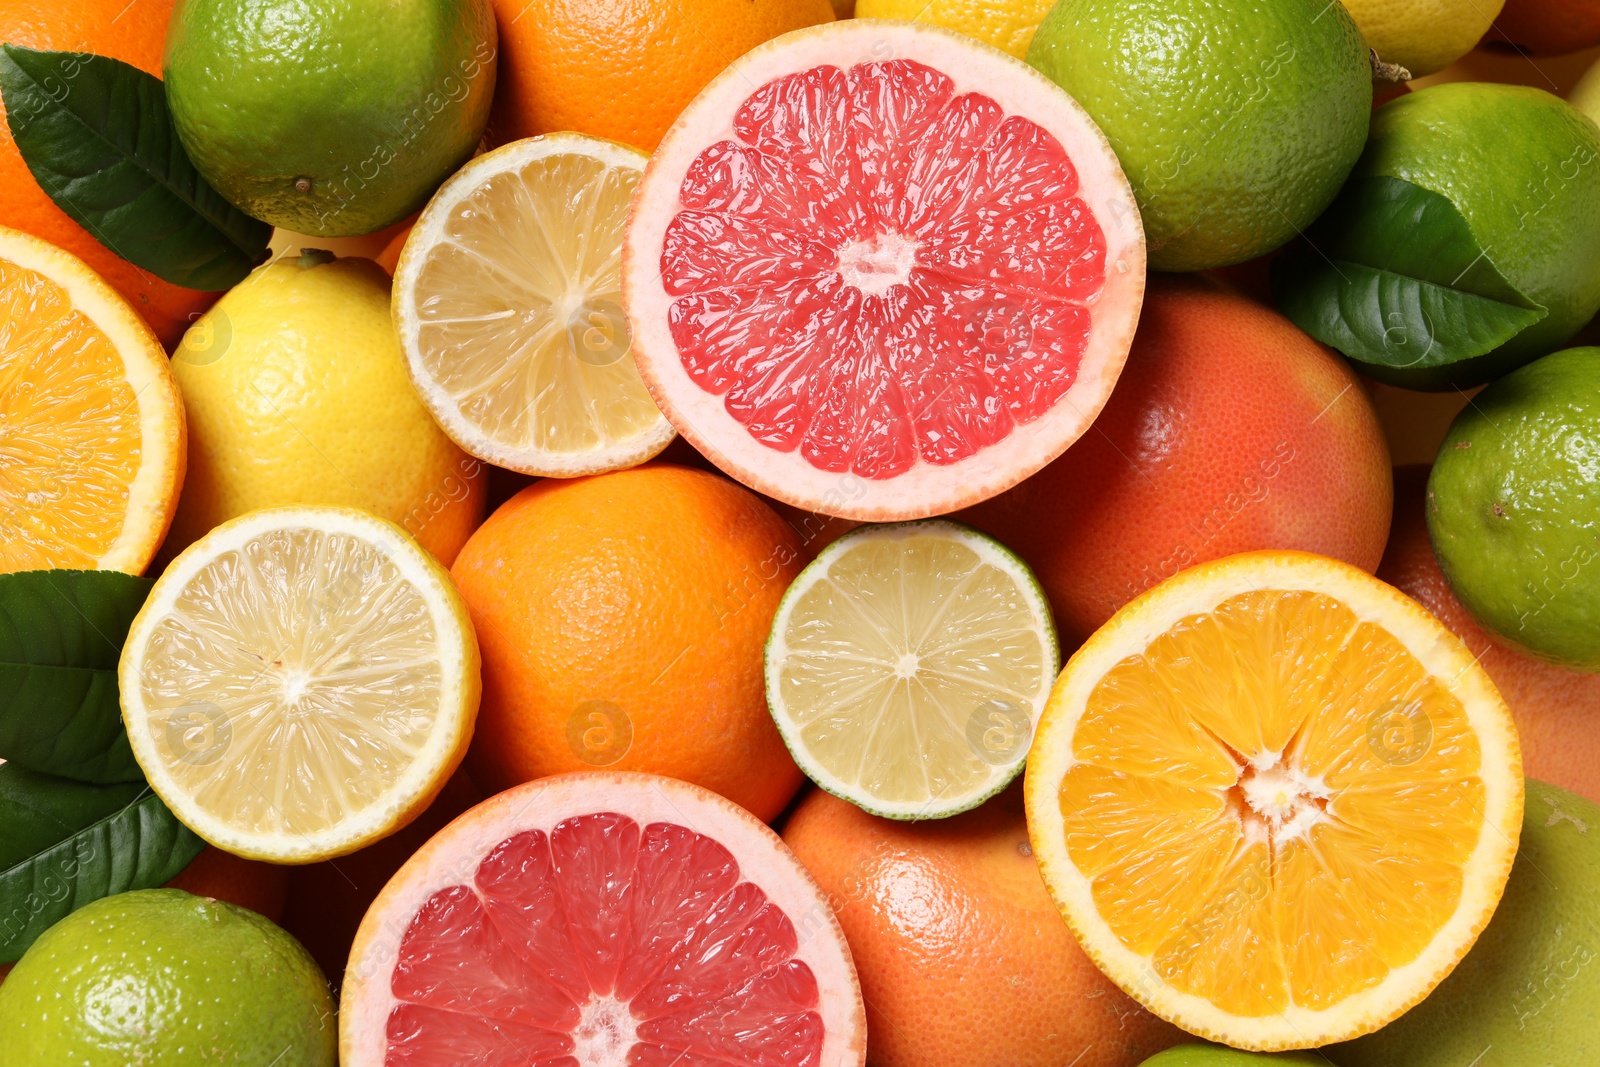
(297, 393)
(163, 977)
(1423, 36)
(1006, 24)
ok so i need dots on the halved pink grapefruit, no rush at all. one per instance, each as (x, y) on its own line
(596, 920)
(882, 271)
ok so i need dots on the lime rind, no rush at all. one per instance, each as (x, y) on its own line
(996, 719)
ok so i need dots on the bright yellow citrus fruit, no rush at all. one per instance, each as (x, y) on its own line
(1424, 36)
(91, 423)
(297, 394)
(1275, 799)
(508, 302)
(1006, 24)
(300, 683)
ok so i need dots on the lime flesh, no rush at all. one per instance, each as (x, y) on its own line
(164, 978)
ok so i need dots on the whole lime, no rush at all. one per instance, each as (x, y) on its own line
(1528, 993)
(1514, 508)
(1523, 168)
(1201, 1054)
(1236, 122)
(163, 977)
(330, 117)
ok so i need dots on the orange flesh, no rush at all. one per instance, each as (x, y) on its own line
(1275, 803)
(69, 429)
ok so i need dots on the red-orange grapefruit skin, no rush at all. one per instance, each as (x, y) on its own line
(1548, 27)
(134, 32)
(1557, 711)
(1230, 431)
(962, 955)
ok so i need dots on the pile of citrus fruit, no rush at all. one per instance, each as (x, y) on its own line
(999, 533)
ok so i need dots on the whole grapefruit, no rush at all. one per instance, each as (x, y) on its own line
(962, 956)
(1230, 431)
(135, 34)
(1557, 710)
(624, 70)
(621, 620)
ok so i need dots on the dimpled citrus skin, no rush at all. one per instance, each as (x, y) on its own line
(1523, 167)
(1549, 27)
(638, 600)
(1528, 992)
(297, 393)
(134, 33)
(1514, 503)
(1007, 24)
(1423, 36)
(1235, 122)
(1230, 430)
(1555, 709)
(1204, 1055)
(962, 956)
(624, 69)
(161, 977)
(371, 102)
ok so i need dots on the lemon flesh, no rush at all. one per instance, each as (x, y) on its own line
(300, 682)
(509, 305)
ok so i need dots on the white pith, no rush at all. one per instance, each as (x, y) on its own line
(926, 489)
(1284, 796)
(452, 857)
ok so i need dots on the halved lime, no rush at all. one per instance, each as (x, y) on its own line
(907, 666)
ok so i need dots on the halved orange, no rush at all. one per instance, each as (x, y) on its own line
(91, 422)
(1275, 799)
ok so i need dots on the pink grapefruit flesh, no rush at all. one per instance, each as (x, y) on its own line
(601, 919)
(881, 271)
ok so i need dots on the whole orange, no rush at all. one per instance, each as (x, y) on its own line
(1229, 430)
(621, 620)
(962, 955)
(1548, 27)
(1557, 710)
(623, 69)
(134, 33)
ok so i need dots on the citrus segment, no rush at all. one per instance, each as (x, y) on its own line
(919, 275)
(602, 918)
(507, 301)
(91, 425)
(300, 682)
(907, 666)
(1275, 799)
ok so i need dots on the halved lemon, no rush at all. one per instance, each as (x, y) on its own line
(508, 302)
(1275, 799)
(91, 422)
(907, 666)
(300, 682)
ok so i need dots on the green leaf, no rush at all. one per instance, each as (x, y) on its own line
(1394, 278)
(98, 137)
(61, 633)
(64, 844)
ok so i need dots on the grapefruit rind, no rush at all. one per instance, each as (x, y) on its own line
(431, 765)
(926, 489)
(1198, 590)
(163, 448)
(990, 552)
(452, 856)
(428, 233)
